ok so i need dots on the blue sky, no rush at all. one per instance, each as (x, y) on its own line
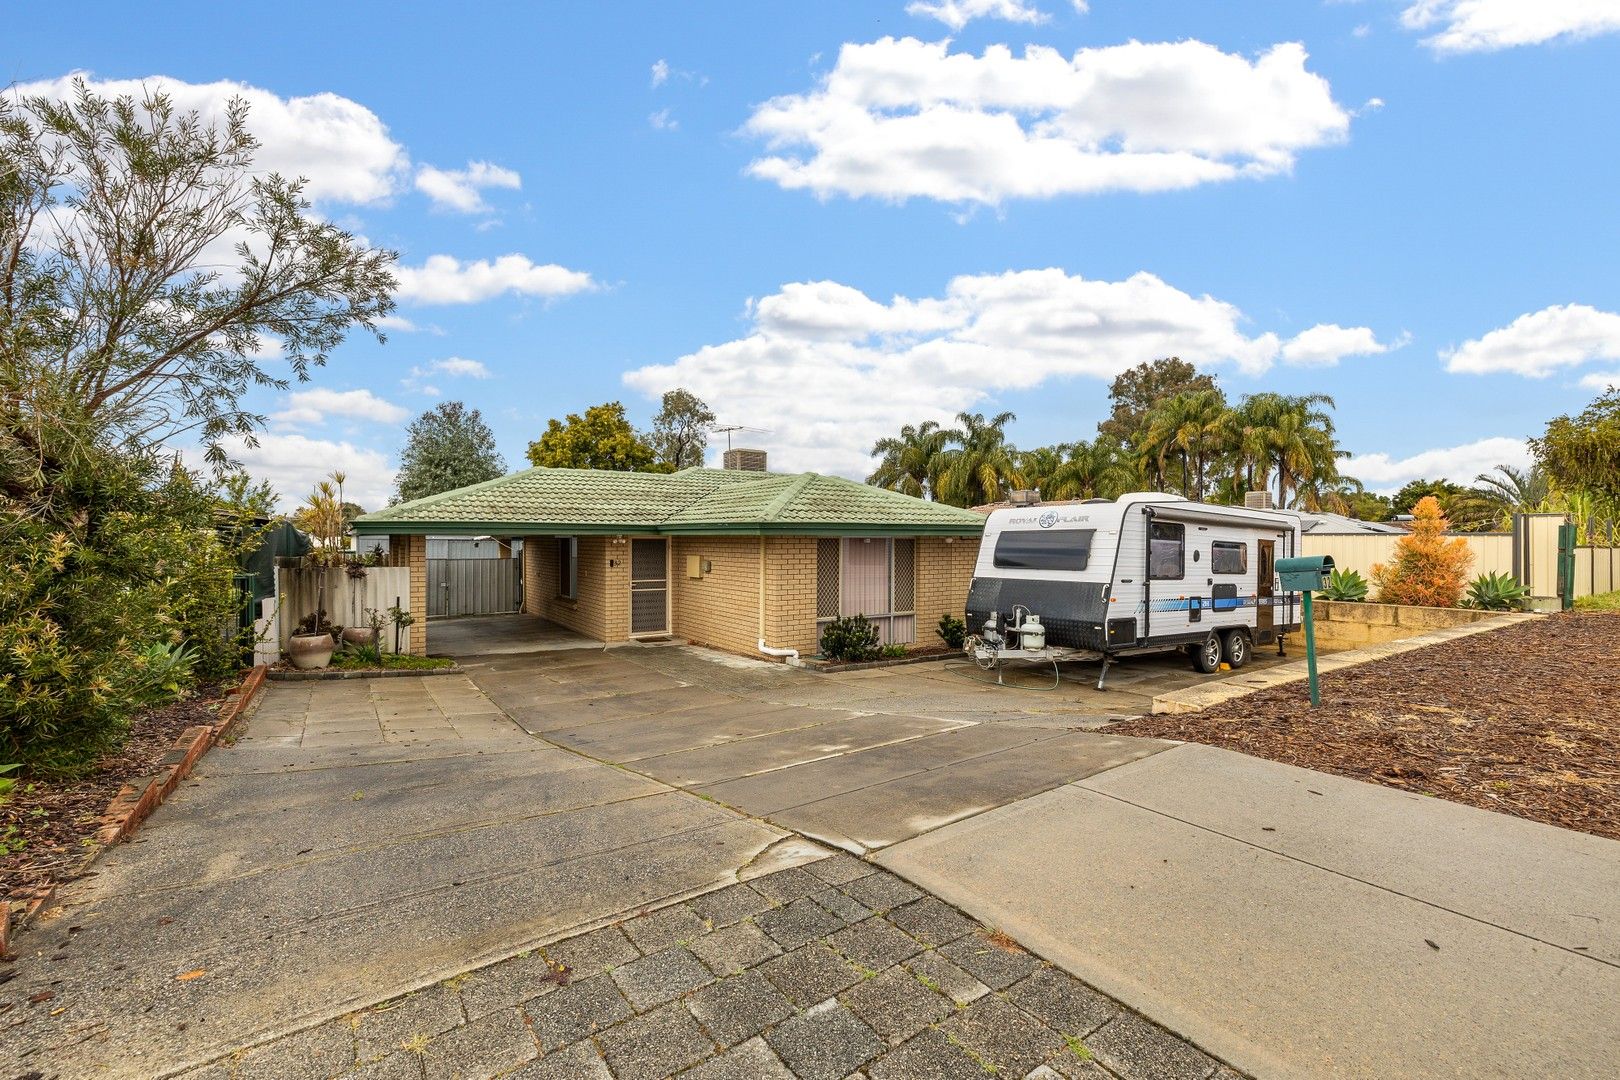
(829, 219)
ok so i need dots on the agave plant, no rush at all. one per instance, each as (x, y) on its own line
(1345, 585)
(1496, 592)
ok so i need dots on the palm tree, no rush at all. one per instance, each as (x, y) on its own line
(1302, 446)
(981, 466)
(1040, 465)
(1094, 470)
(1190, 426)
(1515, 491)
(910, 463)
(1248, 439)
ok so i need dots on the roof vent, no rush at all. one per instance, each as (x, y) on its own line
(1259, 500)
(1024, 496)
(745, 460)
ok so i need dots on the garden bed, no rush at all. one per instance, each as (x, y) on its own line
(348, 665)
(1523, 720)
(914, 656)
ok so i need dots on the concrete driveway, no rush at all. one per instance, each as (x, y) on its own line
(363, 839)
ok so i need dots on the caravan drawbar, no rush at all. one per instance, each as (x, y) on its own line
(1146, 572)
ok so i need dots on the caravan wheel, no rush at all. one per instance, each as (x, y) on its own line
(1237, 648)
(1207, 655)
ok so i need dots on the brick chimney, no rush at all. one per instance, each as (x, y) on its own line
(744, 459)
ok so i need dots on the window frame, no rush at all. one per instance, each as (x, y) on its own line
(1084, 549)
(1216, 546)
(568, 567)
(1180, 539)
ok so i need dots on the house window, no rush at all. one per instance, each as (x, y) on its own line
(1226, 557)
(1167, 551)
(873, 577)
(1049, 549)
(568, 567)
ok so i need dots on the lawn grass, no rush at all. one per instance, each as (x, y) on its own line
(347, 660)
(1609, 601)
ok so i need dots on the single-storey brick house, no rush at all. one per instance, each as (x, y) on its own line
(743, 560)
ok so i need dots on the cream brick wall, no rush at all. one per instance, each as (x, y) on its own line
(944, 572)
(720, 609)
(790, 593)
(601, 609)
(411, 551)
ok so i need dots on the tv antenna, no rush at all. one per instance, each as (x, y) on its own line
(729, 428)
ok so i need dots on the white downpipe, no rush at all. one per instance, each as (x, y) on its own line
(790, 655)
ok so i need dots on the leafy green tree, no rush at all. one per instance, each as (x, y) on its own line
(1370, 506)
(911, 462)
(447, 447)
(1404, 500)
(600, 439)
(680, 431)
(1078, 470)
(1190, 427)
(981, 466)
(1136, 391)
(1582, 453)
(143, 267)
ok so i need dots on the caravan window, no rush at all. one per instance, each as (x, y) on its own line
(1050, 549)
(1226, 557)
(1167, 551)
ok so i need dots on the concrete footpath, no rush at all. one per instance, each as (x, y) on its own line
(1303, 925)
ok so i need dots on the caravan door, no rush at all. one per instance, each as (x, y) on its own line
(1263, 622)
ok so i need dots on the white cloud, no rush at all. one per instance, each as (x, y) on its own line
(342, 147)
(294, 464)
(896, 119)
(460, 189)
(829, 369)
(660, 72)
(444, 279)
(663, 121)
(958, 13)
(1601, 380)
(1326, 344)
(314, 406)
(456, 367)
(1488, 25)
(1459, 464)
(1541, 342)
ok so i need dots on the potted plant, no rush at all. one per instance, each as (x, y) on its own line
(312, 644)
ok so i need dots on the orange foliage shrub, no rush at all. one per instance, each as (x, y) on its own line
(1429, 570)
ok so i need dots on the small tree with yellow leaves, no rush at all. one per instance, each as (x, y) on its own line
(1429, 569)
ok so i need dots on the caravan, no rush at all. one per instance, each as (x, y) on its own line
(1144, 573)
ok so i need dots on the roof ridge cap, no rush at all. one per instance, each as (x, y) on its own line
(789, 493)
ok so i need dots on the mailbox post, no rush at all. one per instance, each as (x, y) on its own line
(1306, 575)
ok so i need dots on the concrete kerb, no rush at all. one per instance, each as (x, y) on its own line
(328, 675)
(1197, 698)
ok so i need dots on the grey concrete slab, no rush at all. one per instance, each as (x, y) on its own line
(875, 817)
(648, 703)
(487, 635)
(660, 735)
(750, 756)
(1289, 964)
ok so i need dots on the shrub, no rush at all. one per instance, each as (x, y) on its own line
(1429, 569)
(1496, 592)
(894, 652)
(1346, 586)
(852, 639)
(952, 631)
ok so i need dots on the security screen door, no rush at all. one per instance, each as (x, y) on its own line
(649, 586)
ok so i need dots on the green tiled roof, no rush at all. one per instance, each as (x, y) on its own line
(709, 501)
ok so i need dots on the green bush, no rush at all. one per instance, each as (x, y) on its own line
(952, 631)
(853, 639)
(1496, 592)
(1347, 586)
(894, 652)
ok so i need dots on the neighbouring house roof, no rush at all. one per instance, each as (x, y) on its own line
(1322, 523)
(690, 502)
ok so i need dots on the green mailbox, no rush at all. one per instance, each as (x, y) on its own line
(1306, 574)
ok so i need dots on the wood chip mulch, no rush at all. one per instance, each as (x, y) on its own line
(55, 819)
(1524, 720)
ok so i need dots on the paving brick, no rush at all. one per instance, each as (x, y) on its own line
(661, 977)
(785, 885)
(1137, 1050)
(928, 1056)
(839, 869)
(935, 971)
(875, 943)
(881, 891)
(578, 1062)
(729, 905)
(799, 922)
(932, 921)
(522, 978)
(315, 1054)
(588, 954)
(827, 1042)
(998, 966)
(384, 1028)
(752, 1060)
(735, 948)
(658, 1044)
(1002, 1036)
(576, 1012)
(811, 974)
(486, 1047)
(738, 1008)
(663, 928)
(1063, 1002)
(846, 908)
(896, 1005)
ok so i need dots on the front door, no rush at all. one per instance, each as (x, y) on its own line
(649, 587)
(1263, 595)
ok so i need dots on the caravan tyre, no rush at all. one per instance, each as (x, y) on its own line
(1207, 656)
(1237, 648)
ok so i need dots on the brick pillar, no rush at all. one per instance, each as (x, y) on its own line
(411, 552)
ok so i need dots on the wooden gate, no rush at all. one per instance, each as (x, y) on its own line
(474, 587)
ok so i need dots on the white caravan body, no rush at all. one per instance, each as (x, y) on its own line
(1143, 571)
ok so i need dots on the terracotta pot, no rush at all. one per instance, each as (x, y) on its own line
(310, 651)
(357, 635)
